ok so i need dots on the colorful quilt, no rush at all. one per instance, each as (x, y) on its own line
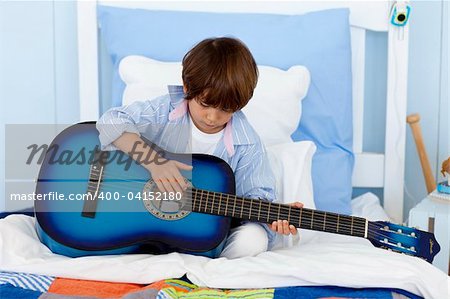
(28, 286)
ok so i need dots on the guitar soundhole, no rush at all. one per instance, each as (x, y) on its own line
(163, 205)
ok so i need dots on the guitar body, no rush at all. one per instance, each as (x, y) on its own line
(121, 220)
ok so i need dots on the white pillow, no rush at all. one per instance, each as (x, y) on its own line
(291, 164)
(274, 111)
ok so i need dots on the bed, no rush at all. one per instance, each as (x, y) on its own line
(328, 38)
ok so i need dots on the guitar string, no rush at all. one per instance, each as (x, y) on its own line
(264, 205)
(248, 213)
(245, 213)
(246, 210)
(236, 198)
(286, 208)
(345, 227)
(333, 227)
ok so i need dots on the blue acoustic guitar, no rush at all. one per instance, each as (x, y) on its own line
(91, 202)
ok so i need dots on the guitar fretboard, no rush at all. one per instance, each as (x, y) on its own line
(216, 203)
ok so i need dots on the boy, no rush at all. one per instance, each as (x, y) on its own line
(203, 116)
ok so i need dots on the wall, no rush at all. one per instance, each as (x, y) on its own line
(444, 124)
(38, 67)
(38, 78)
(427, 93)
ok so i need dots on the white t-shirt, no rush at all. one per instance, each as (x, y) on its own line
(201, 142)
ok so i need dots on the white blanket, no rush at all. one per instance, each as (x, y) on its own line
(319, 259)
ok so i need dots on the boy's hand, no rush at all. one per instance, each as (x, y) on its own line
(167, 175)
(282, 226)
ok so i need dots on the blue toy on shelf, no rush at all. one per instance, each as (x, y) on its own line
(443, 187)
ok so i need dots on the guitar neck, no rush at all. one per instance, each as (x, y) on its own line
(257, 210)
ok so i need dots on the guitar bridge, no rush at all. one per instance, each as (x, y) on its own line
(95, 179)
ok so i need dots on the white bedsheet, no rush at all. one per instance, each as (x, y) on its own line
(320, 259)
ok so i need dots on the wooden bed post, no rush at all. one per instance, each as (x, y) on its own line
(413, 121)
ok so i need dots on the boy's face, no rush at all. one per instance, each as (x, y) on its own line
(208, 119)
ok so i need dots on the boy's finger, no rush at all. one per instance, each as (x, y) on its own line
(167, 185)
(159, 185)
(178, 181)
(280, 226)
(293, 229)
(273, 226)
(181, 181)
(183, 166)
(286, 227)
(179, 187)
(298, 204)
(175, 185)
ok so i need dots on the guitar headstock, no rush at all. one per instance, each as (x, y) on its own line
(403, 239)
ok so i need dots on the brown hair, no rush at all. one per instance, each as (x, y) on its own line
(220, 72)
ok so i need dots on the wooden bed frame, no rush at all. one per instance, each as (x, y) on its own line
(377, 170)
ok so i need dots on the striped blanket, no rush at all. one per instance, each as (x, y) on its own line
(28, 286)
